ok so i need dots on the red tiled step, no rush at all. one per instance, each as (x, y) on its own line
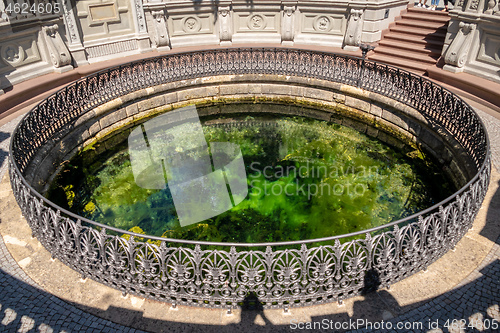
(420, 10)
(430, 49)
(412, 66)
(416, 39)
(407, 55)
(425, 17)
(410, 24)
(419, 31)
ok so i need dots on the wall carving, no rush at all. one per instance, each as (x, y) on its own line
(109, 22)
(191, 25)
(490, 7)
(3, 16)
(12, 54)
(59, 53)
(322, 24)
(458, 51)
(288, 26)
(354, 28)
(118, 47)
(256, 22)
(331, 24)
(141, 19)
(160, 27)
(19, 52)
(226, 26)
(473, 4)
(70, 22)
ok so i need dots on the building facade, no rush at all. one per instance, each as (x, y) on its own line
(44, 36)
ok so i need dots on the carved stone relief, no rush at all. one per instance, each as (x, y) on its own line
(458, 51)
(4, 18)
(288, 27)
(70, 22)
(59, 53)
(490, 7)
(19, 52)
(191, 24)
(256, 22)
(12, 54)
(354, 28)
(473, 4)
(226, 29)
(161, 37)
(322, 24)
(103, 19)
(111, 48)
(139, 13)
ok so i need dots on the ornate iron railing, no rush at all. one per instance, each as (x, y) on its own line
(281, 274)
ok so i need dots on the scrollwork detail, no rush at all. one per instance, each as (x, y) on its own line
(458, 51)
(59, 53)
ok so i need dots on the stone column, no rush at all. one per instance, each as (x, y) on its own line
(59, 53)
(161, 38)
(74, 39)
(288, 25)
(225, 26)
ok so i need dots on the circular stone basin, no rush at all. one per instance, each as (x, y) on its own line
(247, 179)
(203, 167)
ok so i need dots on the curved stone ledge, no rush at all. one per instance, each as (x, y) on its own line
(373, 114)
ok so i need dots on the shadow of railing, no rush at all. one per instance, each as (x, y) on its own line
(26, 308)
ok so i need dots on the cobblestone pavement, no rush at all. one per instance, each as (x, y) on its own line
(24, 307)
(472, 306)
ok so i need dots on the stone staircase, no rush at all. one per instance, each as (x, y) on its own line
(415, 41)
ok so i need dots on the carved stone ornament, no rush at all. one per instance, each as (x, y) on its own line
(473, 5)
(3, 15)
(287, 28)
(490, 10)
(161, 37)
(191, 24)
(139, 12)
(322, 24)
(70, 22)
(354, 28)
(256, 22)
(226, 29)
(59, 53)
(12, 54)
(458, 51)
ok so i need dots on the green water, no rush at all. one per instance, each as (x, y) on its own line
(306, 179)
